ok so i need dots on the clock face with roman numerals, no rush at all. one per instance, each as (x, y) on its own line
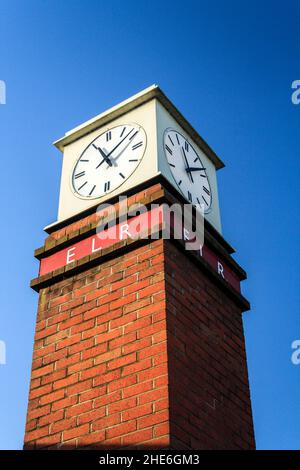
(108, 161)
(187, 169)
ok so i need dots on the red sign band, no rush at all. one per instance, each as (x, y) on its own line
(122, 231)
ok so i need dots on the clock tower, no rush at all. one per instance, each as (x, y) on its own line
(139, 340)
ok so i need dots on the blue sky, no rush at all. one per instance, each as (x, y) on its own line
(228, 66)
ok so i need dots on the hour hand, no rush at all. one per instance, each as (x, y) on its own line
(105, 157)
(193, 168)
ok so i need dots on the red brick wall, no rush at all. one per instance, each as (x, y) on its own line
(209, 395)
(99, 372)
(143, 349)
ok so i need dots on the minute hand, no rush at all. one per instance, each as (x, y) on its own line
(187, 164)
(119, 143)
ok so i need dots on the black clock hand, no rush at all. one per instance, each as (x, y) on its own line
(119, 143)
(187, 165)
(105, 157)
(192, 168)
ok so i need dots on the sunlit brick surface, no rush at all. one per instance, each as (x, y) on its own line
(99, 372)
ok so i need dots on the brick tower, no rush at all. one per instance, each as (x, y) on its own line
(139, 342)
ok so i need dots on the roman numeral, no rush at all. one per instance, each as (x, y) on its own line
(106, 186)
(136, 146)
(186, 146)
(108, 136)
(79, 175)
(123, 131)
(92, 190)
(171, 140)
(190, 197)
(168, 149)
(82, 186)
(122, 176)
(206, 190)
(177, 139)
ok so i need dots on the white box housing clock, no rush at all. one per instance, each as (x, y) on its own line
(131, 143)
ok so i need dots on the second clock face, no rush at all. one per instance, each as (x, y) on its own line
(108, 161)
(187, 169)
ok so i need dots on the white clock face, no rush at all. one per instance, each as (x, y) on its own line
(108, 161)
(187, 169)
